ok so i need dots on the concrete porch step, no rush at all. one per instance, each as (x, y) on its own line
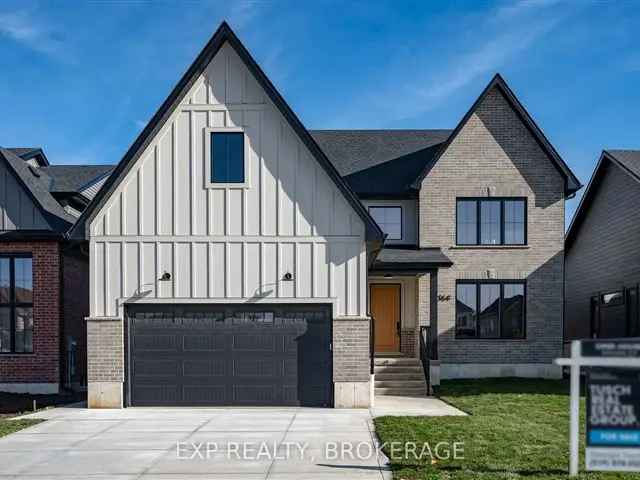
(402, 392)
(417, 369)
(400, 383)
(394, 375)
(396, 361)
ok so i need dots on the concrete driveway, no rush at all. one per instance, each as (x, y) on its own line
(151, 443)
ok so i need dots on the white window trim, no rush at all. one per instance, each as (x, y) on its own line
(207, 155)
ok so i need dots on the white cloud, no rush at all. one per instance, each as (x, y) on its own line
(28, 30)
(244, 12)
(494, 39)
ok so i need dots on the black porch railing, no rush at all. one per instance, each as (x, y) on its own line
(427, 353)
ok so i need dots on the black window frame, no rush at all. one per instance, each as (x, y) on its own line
(478, 201)
(501, 283)
(399, 207)
(13, 304)
(212, 170)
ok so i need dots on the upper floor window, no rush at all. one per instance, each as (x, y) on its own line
(16, 304)
(389, 219)
(227, 157)
(491, 221)
(490, 309)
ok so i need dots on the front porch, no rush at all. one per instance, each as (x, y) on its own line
(403, 296)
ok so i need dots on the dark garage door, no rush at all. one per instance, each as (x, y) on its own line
(229, 355)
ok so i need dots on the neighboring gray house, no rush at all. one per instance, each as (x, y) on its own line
(603, 252)
(237, 258)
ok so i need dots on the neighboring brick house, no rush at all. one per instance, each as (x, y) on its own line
(237, 258)
(603, 252)
(42, 276)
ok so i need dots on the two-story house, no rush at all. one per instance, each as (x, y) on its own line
(237, 258)
(43, 278)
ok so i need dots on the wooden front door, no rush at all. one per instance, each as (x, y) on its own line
(385, 309)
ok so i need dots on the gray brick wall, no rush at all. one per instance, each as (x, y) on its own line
(351, 350)
(495, 155)
(105, 350)
(605, 254)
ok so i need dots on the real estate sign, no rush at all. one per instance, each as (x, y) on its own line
(613, 409)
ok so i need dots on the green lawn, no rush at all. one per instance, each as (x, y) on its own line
(9, 426)
(517, 428)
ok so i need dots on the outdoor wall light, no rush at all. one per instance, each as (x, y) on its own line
(287, 277)
(166, 276)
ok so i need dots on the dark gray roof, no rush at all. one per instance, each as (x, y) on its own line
(27, 153)
(37, 186)
(74, 178)
(629, 159)
(24, 151)
(352, 151)
(410, 259)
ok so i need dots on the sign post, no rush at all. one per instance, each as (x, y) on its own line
(613, 404)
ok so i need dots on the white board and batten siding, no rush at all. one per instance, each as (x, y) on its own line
(17, 209)
(227, 244)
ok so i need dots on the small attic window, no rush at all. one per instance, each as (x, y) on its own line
(34, 171)
(227, 152)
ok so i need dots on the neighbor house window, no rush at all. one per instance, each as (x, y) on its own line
(491, 221)
(16, 304)
(389, 219)
(490, 309)
(227, 157)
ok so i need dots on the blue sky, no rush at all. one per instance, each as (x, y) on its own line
(82, 79)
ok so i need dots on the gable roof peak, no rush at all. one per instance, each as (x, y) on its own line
(223, 34)
(572, 184)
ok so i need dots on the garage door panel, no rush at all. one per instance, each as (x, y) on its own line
(156, 343)
(254, 343)
(204, 368)
(203, 343)
(226, 355)
(257, 368)
(158, 394)
(205, 394)
(158, 368)
(255, 394)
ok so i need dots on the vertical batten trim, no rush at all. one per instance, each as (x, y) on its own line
(192, 270)
(174, 154)
(192, 156)
(314, 270)
(330, 271)
(296, 206)
(107, 290)
(262, 193)
(139, 252)
(225, 256)
(92, 277)
(156, 277)
(139, 200)
(122, 276)
(277, 162)
(204, 172)
(156, 187)
(173, 270)
(123, 198)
